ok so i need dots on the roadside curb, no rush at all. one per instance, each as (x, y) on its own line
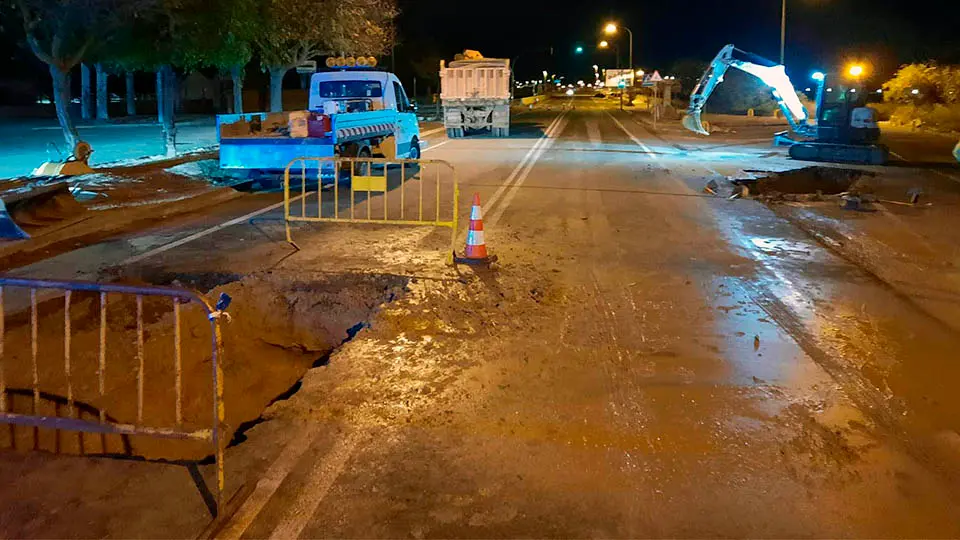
(111, 221)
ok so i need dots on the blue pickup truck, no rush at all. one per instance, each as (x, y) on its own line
(351, 113)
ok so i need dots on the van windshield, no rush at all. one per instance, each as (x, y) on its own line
(349, 89)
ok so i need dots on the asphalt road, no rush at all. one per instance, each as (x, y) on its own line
(645, 360)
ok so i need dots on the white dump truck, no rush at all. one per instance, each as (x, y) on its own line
(475, 94)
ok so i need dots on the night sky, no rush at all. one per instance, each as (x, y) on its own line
(820, 33)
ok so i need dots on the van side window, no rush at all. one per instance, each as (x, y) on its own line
(403, 104)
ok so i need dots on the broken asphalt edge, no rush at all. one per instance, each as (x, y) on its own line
(120, 218)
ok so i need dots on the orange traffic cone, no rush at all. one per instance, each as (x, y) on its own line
(476, 250)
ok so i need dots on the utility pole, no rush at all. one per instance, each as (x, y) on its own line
(783, 32)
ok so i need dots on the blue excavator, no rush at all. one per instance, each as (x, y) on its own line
(844, 131)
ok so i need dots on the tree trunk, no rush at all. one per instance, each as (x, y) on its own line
(61, 99)
(85, 109)
(131, 95)
(276, 88)
(236, 76)
(174, 83)
(103, 98)
(165, 109)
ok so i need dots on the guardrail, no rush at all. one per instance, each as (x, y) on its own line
(80, 376)
(377, 190)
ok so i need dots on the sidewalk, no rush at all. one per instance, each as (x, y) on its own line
(28, 143)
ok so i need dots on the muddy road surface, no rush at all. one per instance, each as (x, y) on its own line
(646, 359)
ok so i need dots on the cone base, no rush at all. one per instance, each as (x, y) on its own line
(473, 261)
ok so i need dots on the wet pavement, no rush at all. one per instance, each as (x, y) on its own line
(645, 360)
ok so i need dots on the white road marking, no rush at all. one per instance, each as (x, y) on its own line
(321, 478)
(268, 484)
(431, 132)
(515, 188)
(637, 141)
(676, 180)
(201, 234)
(948, 176)
(593, 132)
(435, 146)
(492, 201)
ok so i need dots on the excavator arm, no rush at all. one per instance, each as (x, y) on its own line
(772, 74)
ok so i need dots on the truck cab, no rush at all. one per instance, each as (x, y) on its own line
(366, 91)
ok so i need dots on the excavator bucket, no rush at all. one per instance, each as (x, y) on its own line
(692, 122)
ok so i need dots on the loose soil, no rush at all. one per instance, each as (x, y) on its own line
(277, 329)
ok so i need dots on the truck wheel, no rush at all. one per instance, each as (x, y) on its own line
(414, 149)
(362, 168)
(451, 133)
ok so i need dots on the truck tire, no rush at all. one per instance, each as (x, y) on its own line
(414, 149)
(361, 168)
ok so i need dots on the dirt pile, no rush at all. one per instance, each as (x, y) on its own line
(278, 328)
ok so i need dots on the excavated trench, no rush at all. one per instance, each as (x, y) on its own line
(805, 181)
(279, 328)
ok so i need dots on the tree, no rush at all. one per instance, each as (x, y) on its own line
(933, 84)
(740, 92)
(61, 32)
(220, 37)
(688, 72)
(293, 31)
(159, 40)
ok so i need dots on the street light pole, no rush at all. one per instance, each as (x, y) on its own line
(611, 29)
(783, 32)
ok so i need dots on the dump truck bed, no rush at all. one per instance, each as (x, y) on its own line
(475, 79)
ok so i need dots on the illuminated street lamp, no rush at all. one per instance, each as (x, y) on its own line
(611, 29)
(604, 44)
(856, 71)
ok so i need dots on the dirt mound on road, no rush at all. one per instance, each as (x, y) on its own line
(279, 327)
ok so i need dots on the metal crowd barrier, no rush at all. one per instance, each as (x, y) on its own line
(376, 190)
(100, 295)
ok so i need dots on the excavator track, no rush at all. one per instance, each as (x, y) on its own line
(840, 153)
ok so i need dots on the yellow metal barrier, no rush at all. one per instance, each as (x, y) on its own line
(420, 192)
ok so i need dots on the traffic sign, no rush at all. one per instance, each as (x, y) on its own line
(308, 67)
(655, 78)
